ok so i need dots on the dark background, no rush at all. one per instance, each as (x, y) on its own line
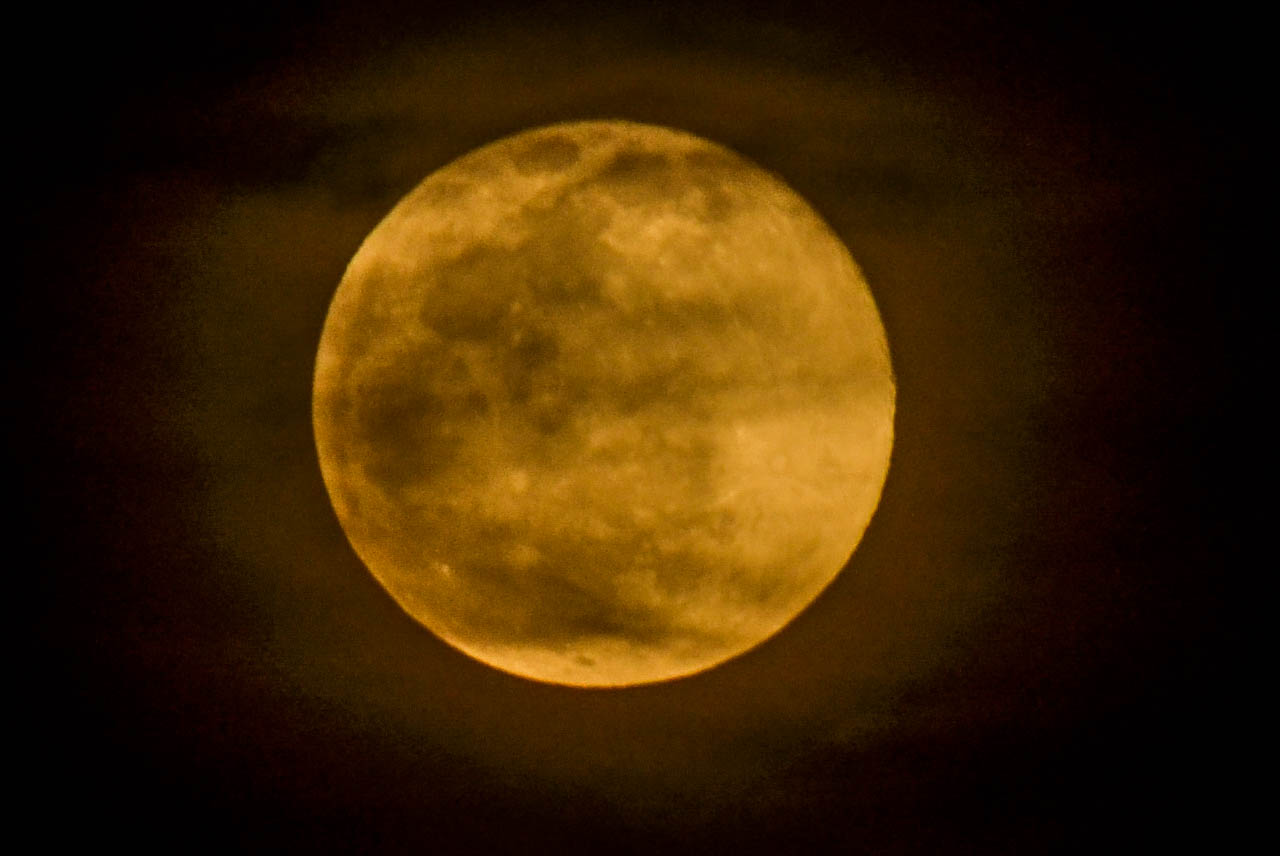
(1030, 652)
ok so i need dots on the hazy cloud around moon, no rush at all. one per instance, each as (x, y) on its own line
(1030, 649)
(878, 161)
(1044, 519)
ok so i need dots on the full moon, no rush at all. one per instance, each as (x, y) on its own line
(603, 403)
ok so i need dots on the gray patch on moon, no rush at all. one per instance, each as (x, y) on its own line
(636, 176)
(528, 352)
(714, 172)
(404, 428)
(682, 315)
(635, 164)
(410, 421)
(473, 293)
(546, 154)
(577, 600)
(567, 286)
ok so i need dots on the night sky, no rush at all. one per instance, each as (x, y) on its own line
(1029, 652)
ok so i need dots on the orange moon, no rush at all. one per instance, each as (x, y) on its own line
(603, 403)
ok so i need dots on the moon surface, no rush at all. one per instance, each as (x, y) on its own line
(603, 403)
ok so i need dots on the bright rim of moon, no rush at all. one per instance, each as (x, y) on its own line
(603, 403)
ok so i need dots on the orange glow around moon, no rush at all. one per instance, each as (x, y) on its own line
(603, 403)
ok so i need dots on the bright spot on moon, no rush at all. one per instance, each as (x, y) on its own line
(603, 403)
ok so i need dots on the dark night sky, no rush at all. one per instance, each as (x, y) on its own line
(1030, 651)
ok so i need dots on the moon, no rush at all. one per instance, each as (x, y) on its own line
(603, 403)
